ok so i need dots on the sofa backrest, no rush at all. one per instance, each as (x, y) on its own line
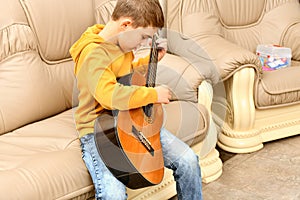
(36, 71)
(244, 22)
(103, 10)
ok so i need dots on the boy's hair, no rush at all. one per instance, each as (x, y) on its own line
(144, 13)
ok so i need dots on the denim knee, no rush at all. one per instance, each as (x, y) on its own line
(107, 187)
(189, 160)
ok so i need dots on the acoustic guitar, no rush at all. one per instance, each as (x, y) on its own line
(129, 141)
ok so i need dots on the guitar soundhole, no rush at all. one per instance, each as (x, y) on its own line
(148, 113)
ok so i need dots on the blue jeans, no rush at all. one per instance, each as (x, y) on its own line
(177, 156)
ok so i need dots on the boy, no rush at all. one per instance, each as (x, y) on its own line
(104, 53)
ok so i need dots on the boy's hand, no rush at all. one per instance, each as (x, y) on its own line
(163, 94)
(162, 47)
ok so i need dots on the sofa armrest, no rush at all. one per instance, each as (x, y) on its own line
(187, 84)
(228, 57)
(217, 58)
(181, 76)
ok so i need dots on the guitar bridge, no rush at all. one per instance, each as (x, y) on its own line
(141, 137)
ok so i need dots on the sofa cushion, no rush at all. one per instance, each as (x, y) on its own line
(56, 27)
(103, 10)
(278, 88)
(240, 13)
(292, 40)
(31, 90)
(43, 161)
(45, 157)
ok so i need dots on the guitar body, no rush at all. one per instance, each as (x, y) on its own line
(135, 161)
(129, 141)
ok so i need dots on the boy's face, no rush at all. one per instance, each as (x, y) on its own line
(133, 38)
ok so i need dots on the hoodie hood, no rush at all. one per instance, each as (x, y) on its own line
(90, 36)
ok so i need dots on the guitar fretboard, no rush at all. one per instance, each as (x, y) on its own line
(151, 74)
(152, 66)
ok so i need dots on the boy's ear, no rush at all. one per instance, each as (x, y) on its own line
(125, 23)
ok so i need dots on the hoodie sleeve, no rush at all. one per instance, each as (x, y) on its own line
(103, 85)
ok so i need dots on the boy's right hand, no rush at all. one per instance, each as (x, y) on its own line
(163, 94)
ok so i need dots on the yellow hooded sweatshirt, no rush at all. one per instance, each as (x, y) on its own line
(98, 64)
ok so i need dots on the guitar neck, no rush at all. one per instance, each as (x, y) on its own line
(152, 66)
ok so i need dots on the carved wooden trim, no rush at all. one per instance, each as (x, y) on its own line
(242, 97)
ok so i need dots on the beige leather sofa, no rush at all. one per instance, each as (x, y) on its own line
(40, 155)
(250, 106)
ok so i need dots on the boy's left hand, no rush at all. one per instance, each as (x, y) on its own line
(162, 47)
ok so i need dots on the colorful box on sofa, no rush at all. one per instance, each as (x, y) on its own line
(273, 57)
